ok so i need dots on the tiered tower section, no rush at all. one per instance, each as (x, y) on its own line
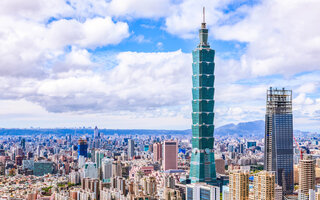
(202, 167)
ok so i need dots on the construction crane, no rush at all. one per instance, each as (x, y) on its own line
(301, 152)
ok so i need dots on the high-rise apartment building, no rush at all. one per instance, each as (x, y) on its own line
(170, 155)
(239, 185)
(116, 168)
(157, 151)
(99, 155)
(202, 166)
(90, 170)
(307, 176)
(278, 194)
(264, 185)
(278, 153)
(107, 169)
(130, 148)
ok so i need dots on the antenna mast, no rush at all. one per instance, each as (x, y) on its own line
(203, 25)
(204, 14)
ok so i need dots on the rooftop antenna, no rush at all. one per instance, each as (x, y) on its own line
(204, 14)
(203, 25)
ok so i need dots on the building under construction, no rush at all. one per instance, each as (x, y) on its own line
(278, 154)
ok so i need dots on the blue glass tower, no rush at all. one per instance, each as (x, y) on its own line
(82, 148)
(202, 167)
(278, 153)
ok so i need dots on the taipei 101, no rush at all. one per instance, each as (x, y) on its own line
(159, 100)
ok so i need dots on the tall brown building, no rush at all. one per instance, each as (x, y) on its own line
(170, 155)
(220, 166)
(157, 151)
(307, 176)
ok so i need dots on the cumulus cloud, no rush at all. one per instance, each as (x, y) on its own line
(29, 45)
(141, 81)
(187, 16)
(282, 37)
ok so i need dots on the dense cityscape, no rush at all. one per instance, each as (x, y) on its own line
(193, 165)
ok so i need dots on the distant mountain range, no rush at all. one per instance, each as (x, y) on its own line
(243, 129)
(253, 128)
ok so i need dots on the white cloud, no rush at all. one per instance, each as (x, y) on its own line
(186, 17)
(139, 9)
(282, 37)
(96, 32)
(141, 81)
(35, 10)
(28, 46)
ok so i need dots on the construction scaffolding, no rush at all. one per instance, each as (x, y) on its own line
(279, 101)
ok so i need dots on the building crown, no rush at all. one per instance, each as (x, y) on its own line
(203, 32)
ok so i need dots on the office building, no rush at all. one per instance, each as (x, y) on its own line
(278, 154)
(28, 164)
(264, 185)
(307, 176)
(239, 185)
(251, 144)
(220, 166)
(202, 191)
(96, 133)
(157, 152)
(170, 155)
(130, 148)
(42, 167)
(202, 166)
(82, 148)
(23, 143)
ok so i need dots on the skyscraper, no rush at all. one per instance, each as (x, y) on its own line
(278, 154)
(307, 176)
(23, 143)
(202, 167)
(157, 151)
(96, 132)
(99, 155)
(170, 155)
(107, 169)
(82, 148)
(130, 148)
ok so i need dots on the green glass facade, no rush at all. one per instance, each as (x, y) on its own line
(202, 167)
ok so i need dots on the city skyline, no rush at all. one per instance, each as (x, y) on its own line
(53, 76)
(126, 67)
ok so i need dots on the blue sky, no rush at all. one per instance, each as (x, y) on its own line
(127, 63)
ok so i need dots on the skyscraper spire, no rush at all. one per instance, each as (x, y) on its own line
(203, 25)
